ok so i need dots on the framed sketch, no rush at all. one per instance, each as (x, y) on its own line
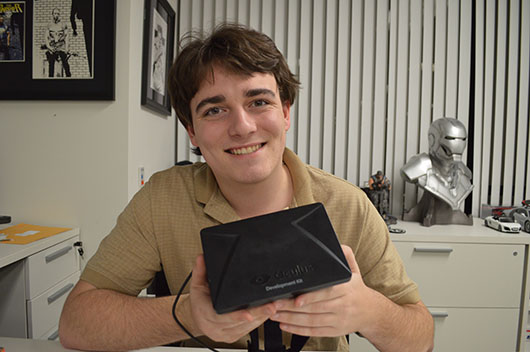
(69, 48)
(158, 44)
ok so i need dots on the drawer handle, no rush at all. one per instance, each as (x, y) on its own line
(54, 336)
(433, 249)
(59, 293)
(439, 314)
(57, 254)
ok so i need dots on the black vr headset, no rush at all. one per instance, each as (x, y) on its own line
(279, 255)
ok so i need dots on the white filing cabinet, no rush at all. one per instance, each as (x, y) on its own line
(474, 281)
(35, 280)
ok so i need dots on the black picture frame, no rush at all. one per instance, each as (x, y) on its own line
(157, 56)
(23, 84)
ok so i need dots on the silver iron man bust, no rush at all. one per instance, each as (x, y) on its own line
(445, 179)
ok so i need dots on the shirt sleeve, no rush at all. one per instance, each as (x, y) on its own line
(128, 258)
(380, 263)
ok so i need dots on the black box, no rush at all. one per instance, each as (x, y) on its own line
(279, 255)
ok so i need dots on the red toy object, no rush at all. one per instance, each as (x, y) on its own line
(526, 203)
(500, 210)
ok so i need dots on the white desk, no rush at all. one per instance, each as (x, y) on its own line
(15, 345)
(10, 253)
(12, 344)
(35, 279)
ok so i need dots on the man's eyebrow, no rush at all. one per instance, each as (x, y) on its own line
(211, 100)
(259, 91)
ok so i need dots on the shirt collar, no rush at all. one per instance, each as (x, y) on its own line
(302, 193)
(215, 205)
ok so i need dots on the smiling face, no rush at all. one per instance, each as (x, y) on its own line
(239, 124)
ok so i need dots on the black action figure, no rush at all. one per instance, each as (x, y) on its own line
(379, 187)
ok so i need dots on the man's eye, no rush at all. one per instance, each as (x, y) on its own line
(212, 111)
(260, 102)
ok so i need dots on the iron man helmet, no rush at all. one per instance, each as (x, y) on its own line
(447, 138)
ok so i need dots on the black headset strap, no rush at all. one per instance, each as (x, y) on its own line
(298, 342)
(273, 339)
(253, 344)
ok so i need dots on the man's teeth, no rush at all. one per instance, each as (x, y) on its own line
(247, 150)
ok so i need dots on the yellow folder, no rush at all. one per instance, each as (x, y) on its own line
(24, 233)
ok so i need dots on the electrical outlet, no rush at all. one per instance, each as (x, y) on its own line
(141, 177)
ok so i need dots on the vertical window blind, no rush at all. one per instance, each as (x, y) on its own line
(376, 73)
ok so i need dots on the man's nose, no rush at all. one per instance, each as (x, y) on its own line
(241, 123)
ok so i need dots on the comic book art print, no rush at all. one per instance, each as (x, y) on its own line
(12, 31)
(63, 45)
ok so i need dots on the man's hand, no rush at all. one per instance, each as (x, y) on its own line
(333, 311)
(228, 327)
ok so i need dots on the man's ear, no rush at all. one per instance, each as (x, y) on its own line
(191, 134)
(286, 108)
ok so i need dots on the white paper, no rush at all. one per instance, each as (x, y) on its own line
(27, 233)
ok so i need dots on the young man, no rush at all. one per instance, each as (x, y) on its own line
(233, 92)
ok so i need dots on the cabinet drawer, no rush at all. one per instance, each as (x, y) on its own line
(44, 310)
(48, 267)
(465, 329)
(473, 329)
(51, 335)
(465, 275)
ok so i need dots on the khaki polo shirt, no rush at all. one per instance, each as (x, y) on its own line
(161, 226)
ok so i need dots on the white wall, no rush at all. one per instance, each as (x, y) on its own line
(151, 135)
(75, 163)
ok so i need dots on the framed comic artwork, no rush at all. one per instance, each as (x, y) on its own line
(158, 45)
(57, 49)
(12, 31)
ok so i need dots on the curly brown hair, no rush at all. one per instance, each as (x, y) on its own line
(234, 47)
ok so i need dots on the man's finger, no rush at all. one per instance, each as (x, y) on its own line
(199, 272)
(263, 310)
(254, 313)
(350, 257)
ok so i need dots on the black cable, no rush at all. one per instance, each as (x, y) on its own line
(180, 324)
